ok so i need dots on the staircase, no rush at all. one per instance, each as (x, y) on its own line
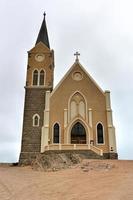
(86, 154)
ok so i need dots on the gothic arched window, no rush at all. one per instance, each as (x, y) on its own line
(77, 106)
(36, 119)
(35, 77)
(100, 138)
(56, 131)
(41, 80)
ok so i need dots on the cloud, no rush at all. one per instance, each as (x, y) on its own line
(103, 33)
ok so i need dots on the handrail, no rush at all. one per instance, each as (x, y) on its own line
(74, 147)
(97, 150)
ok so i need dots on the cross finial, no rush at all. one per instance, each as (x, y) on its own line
(77, 54)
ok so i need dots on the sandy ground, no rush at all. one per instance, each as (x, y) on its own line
(81, 182)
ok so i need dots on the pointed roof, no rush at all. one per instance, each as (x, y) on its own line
(70, 70)
(43, 34)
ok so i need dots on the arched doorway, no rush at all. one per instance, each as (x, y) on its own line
(78, 134)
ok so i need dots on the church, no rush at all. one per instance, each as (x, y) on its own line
(75, 115)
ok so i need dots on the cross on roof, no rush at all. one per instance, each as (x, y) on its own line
(77, 54)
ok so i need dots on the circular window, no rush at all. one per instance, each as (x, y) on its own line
(77, 76)
(39, 57)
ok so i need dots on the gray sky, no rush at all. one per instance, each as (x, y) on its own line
(101, 30)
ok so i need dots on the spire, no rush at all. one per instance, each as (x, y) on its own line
(43, 34)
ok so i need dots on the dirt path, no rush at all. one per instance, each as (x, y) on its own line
(94, 180)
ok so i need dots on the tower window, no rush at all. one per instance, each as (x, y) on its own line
(35, 77)
(38, 77)
(56, 133)
(100, 138)
(36, 120)
(41, 81)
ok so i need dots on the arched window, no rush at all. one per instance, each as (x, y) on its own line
(36, 119)
(77, 106)
(74, 109)
(56, 130)
(41, 80)
(100, 138)
(82, 109)
(35, 77)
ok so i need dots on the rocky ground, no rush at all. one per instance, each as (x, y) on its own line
(86, 179)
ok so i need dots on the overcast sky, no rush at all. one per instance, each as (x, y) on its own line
(101, 30)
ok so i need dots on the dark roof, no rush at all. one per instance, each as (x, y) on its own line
(43, 34)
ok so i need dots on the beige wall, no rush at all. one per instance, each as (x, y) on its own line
(95, 100)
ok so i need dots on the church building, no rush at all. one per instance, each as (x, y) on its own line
(75, 115)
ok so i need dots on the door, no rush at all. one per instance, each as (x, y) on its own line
(78, 134)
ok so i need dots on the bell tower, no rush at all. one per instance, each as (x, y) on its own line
(39, 80)
(41, 61)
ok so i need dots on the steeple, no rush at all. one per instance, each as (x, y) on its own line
(43, 34)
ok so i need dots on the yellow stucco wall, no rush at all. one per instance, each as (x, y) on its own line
(95, 99)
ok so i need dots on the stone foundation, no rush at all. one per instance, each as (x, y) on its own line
(28, 158)
(110, 156)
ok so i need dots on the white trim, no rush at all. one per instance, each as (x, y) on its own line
(45, 129)
(87, 128)
(103, 134)
(69, 71)
(69, 106)
(38, 80)
(65, 117)
(33, 120)
(90, 121)
(39, 87)
(53, 132)
(108, 100)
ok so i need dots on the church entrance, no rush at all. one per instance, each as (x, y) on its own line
(78, 134)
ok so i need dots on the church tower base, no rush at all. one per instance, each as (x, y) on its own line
(29, 158)
(111, 156)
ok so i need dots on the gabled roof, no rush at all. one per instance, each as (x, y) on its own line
(43, 34)
(39, 46)
(69, 71)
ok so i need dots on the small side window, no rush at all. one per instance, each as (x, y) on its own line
(56, 131)
(36, 120)
(100, 138)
